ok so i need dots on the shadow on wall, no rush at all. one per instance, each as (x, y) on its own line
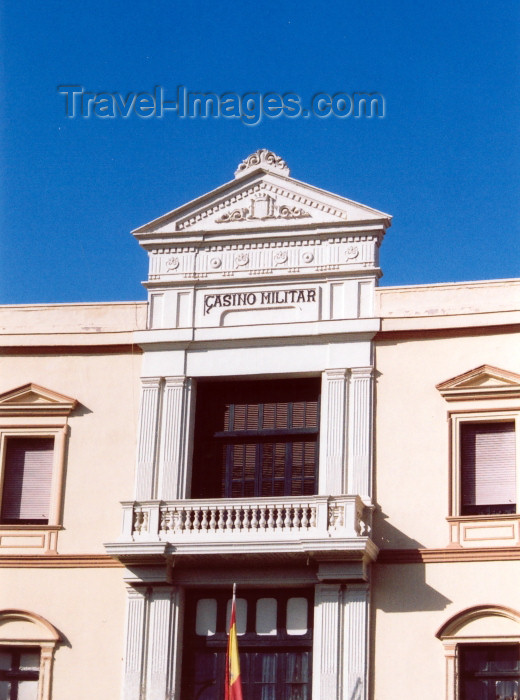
(400, 586)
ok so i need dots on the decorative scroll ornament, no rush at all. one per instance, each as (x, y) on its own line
(241, 259)
(280, 257)
(172, 263)
(262, 159)
(352, 252)
(262, 207)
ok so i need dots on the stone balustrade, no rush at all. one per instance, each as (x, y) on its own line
(287, 517)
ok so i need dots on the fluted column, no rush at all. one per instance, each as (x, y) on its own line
(148, 436)
(355, 642)
(175, 431)
(326, 652)
(360, 432)
(134, 645)
(163, 643)
(333, 432)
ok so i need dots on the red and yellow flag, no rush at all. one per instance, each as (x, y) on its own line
(233, 690)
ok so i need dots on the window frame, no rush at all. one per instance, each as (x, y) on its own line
(34, 411)
(21, 629)
(250, 642)
(58, 434)
(289, 391)
(457, 420)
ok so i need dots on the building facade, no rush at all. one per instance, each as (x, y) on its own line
(345, 453)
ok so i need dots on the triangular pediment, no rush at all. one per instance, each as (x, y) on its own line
(482, 382)
(34, 399)
(262, 197)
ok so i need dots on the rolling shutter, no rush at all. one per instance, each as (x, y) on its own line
(488, 468)
(26, 491)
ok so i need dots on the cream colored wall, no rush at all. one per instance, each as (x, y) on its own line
(87, 606)
(412, 438)
(409, 605)
(100, 460)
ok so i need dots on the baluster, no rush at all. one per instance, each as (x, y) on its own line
(221, 519)
(296, 517)
(287, 522)
(305, 517)
(271, 521)
(164, 521)
(196, 520)
(229, 519)
(312, 522)
(263, 521)
(213, 520)
(279, 517)
(204, 524)
(254, 520)
(246, 523)
(170, 524)
(144, 526)
(138, 520)
(333, 517)
(238, 518)
(186, 519)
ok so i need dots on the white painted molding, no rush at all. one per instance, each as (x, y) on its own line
(326, 647)
(355, 641)
(175, 432)
(360, 432)
(148, 435)
(333, 432)
(134, 644)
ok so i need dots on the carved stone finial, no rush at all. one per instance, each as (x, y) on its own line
(262, 159)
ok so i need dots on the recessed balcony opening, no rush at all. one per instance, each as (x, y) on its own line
(256, 438)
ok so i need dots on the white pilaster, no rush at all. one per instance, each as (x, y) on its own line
(360, 432)
(333, 432)
(148, 434)
(326, 661)
(174, 453)
(134, 645)
(355, 642)
(163, 639)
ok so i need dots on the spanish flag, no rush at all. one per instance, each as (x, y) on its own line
(233, 690)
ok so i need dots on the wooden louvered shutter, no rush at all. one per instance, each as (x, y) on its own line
(488, 468)
(26, 490)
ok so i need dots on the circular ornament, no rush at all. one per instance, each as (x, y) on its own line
(307, 257)
(215, 263)
(172, 263)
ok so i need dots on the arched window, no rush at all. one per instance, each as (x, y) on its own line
(482, 649)
(27, 644)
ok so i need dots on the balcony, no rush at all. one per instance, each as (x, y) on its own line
(320, 526)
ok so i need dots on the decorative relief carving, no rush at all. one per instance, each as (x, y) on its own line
(172, 263)
(215, 263)
(280, 257)
(265, 159)
(262, 187)
(352, 252)
(262, 207)
(241, 259)
(307, 257)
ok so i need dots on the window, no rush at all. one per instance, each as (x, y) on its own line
(27, 646)
(26, 490)
(256, 438)
(33, 432)
(19, 673)
(274, 638)
(488, 468)
(489, 672)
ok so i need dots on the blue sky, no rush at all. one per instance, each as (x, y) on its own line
(444, 161)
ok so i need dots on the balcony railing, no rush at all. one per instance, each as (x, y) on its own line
(240, 520)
